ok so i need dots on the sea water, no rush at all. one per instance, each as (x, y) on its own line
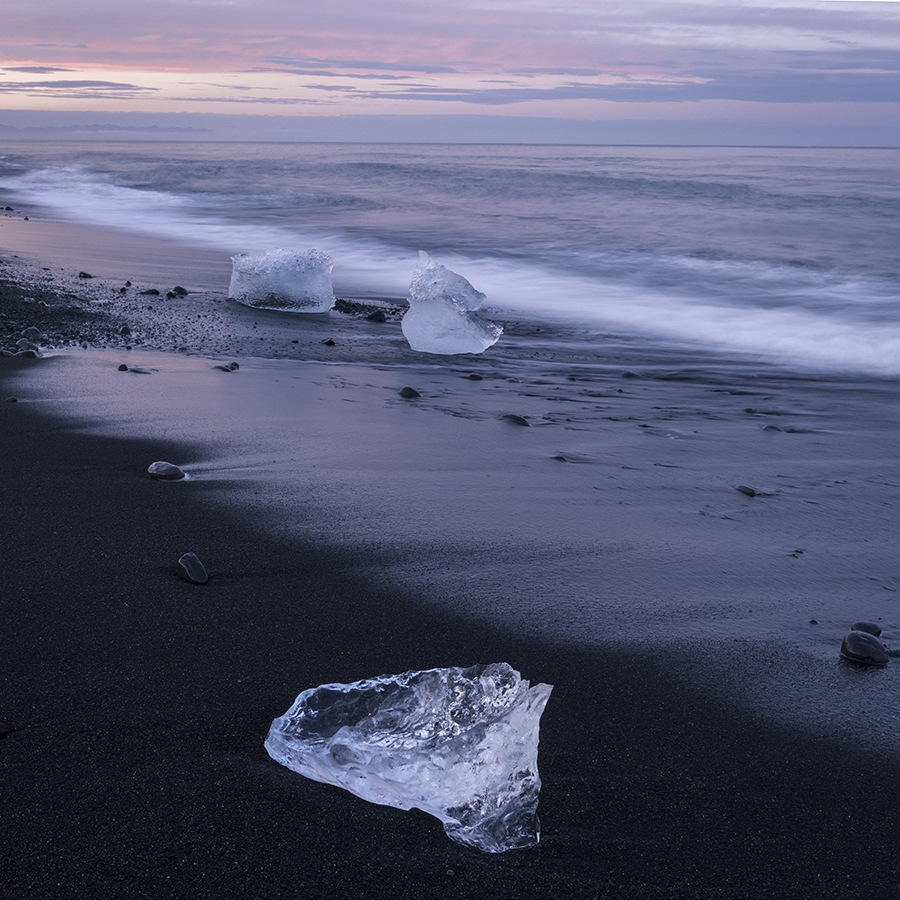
(781, 254)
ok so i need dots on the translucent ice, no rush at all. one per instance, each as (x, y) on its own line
(441, 316)
(283, 279)
(460, 744)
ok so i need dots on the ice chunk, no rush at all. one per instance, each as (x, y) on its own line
(283, 279)
(441, 316)
(460, 744)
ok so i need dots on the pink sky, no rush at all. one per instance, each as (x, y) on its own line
(816, 63)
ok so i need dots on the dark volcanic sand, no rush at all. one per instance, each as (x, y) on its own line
(134, 705)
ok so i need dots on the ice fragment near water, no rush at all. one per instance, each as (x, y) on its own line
(283, 279)
(460, 744)
(441, 316)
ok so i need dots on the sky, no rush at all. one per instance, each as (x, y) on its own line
(605, 71)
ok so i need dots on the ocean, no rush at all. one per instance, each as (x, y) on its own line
(784, 255)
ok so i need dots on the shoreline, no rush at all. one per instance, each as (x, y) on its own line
(136, 704)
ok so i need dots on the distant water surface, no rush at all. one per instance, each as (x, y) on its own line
(783, 254)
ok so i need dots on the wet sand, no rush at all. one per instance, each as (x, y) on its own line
(703, 739)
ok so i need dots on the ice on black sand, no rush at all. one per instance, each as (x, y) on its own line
(441, 317)
(283, 279)
(459, 744)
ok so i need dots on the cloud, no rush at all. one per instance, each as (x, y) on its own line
(35, 70)
(75, 88)
(312, 63)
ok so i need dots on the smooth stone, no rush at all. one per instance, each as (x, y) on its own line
(772, 428)
(84, 275)
(869, 627)
(516, 420)
(7, 353)
(228, 367)
(29, 354)
(165, 471)
(328, 343)
(123, 368)
(32, 334)
(26, 344)
(865, 648)
(474, 376)
(191, 569)
(377, 316)
(124, 330)
(12, 399)
(178, 289)
(151, 292)
(746, 489)
(409, 393)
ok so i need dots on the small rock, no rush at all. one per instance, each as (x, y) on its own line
(559, 457)
(409, 393)
(516, 420)
(7, 353)
(124, 330)
(191, 569)
(474, 376)
(865, 648)
(869, 627)
(123, 368)
(24, 344)
(228, 367)
(629, 374)
(84, 275)
(773, 428)
(328, 343)
(171, 295)
(150, 292)
(165, 471)
(127, 284)
(29, 354)
(377, 316)
(12, 399)
(179, 290)
(746, 489)
(33, 334)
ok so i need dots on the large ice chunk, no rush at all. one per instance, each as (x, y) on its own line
(441, 316)
(283, 279)
(460, 744)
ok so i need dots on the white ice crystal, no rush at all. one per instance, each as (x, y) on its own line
(460, 744)
(283, 279)
(441, 316)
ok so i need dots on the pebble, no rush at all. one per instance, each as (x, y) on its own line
(165, 471)
(474, 376)
(865, 648)
(33, 334)
(123, 368)
(409, 393)
(151, 292)
(178, 289)
(26, 345)
(12, 399)
(869, 627)
(328, 343)
(746, 489)
(377, 316)
(84, 275)
(228, 367)
(516, 420)
(124, 330)
(29, 354)
(191, 569)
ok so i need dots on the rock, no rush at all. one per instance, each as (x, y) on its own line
(377, 316)
(328, 343)
(124, 330)
(191, 569)
(409, 393)
(516, 420)
(228, 367)
(165, 471)
(123, 368)
(29, 354)
(474, 376)
(7, 353)
(869, 627)
(179, 290)
(150, 292)
(84, 275)
(773, 428)
(171, 295)
(12, 399)
(865, 648)
(629, 374)
(33, 334)
(24, 344)
(746, 489)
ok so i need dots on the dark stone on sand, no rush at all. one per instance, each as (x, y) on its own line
(409, 393)
(474, 376)
(28, 354)
(171, 295)
(124, 330)
(377, 316)
(123, 368)
(746, 489)
(24, 344)
(127, 284)
(865, 648)
(84, 275)
(32, 334)
(165, 471)
(179, 290)
(12, 399)
(516, 420)
(773, 428)
(191, 569)
(228, 367)
(872, 628)
(560, 457)
(150, 292)
(629, 374)
(328, 343)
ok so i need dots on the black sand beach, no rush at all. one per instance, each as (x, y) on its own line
(702, 744)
